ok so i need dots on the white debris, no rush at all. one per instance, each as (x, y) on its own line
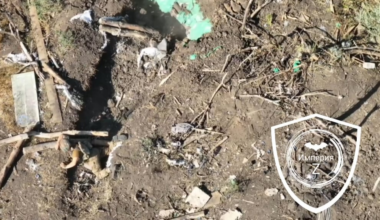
(31, 164)
(155, 53)
(175, 162)
(231, 215)
(166, 213)
(282, 196)
(17, 58)
(105, 40)
(74, 97)
(197, 198)
(182, 128)
(86, 16)
(162, 149)
(271, 192)
(369, 65)
(112, 154)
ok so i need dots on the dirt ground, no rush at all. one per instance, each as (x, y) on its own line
(244, 61)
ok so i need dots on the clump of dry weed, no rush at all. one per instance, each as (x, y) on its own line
(7, 112)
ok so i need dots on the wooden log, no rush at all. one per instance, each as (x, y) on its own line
(53, 135)
(8, 167)
(122, 24)
(123, 32)
(52, 73)
(14, 139)
(43, 56)
(52, 144)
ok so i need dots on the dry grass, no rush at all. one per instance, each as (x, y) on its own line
(7, 116)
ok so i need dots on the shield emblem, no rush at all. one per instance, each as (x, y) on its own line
(316, 158)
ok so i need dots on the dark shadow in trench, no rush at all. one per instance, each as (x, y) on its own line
(95, 114)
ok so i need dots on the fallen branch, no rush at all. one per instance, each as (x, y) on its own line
(275, 102)
(52, 145)
(195, 215)
(14, 139)
(319, 93)
(52, 73)
(260, 7)
(218, 144)
(123, 33)
(72, 133)
(247, 9)
(121, 24)
(376, 183)
(204, 112)
(8, 167)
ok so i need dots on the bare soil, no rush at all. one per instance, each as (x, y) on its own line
(144, 183)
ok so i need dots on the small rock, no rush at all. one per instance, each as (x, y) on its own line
(292, 207)
(166, 213)
(182, 128)
(231, 215)
(228, 8)
(225, 33)
(282, 196)
(143, 11)
(197, 198)
(245, 160)
(271, 192)
(235, 7)
(370, 197)
(110, 103)
(214, 201)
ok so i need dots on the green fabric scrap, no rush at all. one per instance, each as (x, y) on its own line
(194, 21)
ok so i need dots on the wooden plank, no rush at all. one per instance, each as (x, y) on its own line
(43, 56)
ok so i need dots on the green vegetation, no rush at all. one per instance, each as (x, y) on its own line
(66, 41)
(369, 17)
(47, 8)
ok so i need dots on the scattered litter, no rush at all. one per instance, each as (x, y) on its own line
(214, 201)
(193, 57)
(286, 23)
(155, 53)
(86, 16)
(25, 99)
(271, 192)
(175, 162)
(182, 128)
(346, 44)
(276, 70)
(338, 25)
(75, 98)
(245, 160)
(296, 66)
(17, 58)
(197, 198)
(166, 213)
(231, 215)
(282, 196)
(367, 65)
